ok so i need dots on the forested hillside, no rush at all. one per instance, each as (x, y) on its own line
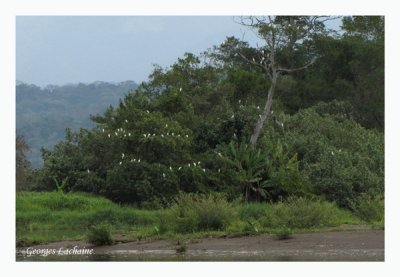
(43, 114)
(301, 115)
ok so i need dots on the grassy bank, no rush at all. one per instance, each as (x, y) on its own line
(43, 217)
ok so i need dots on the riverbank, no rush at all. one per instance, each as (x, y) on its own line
(47, 217)
(356, 245)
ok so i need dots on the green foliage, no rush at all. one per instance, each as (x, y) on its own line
(369, 208)
(341, 158)
(43, 114)
(194, 212)
(263, 174)
(303, 213)
(247, 165)
(252, 211)
(60, 187)
(43, 217)
(99, 234)
(22, 165)
(283, 233)
(187, 128)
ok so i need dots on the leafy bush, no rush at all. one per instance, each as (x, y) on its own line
(250, 211)
(283, 233)
(264, 174)
(135, 182)
(193, 212)
(100, 234)
(300, 212)
(369, 208)
(341, 158)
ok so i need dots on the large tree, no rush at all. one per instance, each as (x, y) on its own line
(22, 164)
(284, 52)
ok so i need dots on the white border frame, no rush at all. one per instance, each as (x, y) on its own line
(12, 8)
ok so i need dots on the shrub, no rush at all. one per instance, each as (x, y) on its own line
(341, 158)
(250, 211)
(368, 208)
(283, 233)
(100, 234)
(193, 212)
(265, 173)
(133, 182)
(303, 213)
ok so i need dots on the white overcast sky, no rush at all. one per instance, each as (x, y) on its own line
(71, 49)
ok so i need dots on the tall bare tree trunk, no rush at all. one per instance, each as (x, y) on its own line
(266, 112)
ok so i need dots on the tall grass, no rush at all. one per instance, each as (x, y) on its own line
(195, 212)
(303, 213)
(371, 209)
(70, 215)
(51, 216)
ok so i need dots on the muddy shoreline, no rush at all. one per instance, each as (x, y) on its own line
(367, 245)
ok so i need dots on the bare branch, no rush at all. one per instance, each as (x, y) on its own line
(288, 70)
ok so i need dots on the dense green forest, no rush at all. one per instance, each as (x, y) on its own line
(317, 94)
(43, 114)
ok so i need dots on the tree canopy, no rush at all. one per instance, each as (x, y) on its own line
(189, 126)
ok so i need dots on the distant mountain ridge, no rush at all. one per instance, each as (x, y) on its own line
(43, 114)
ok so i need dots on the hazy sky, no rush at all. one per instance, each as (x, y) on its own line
(71, 49)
